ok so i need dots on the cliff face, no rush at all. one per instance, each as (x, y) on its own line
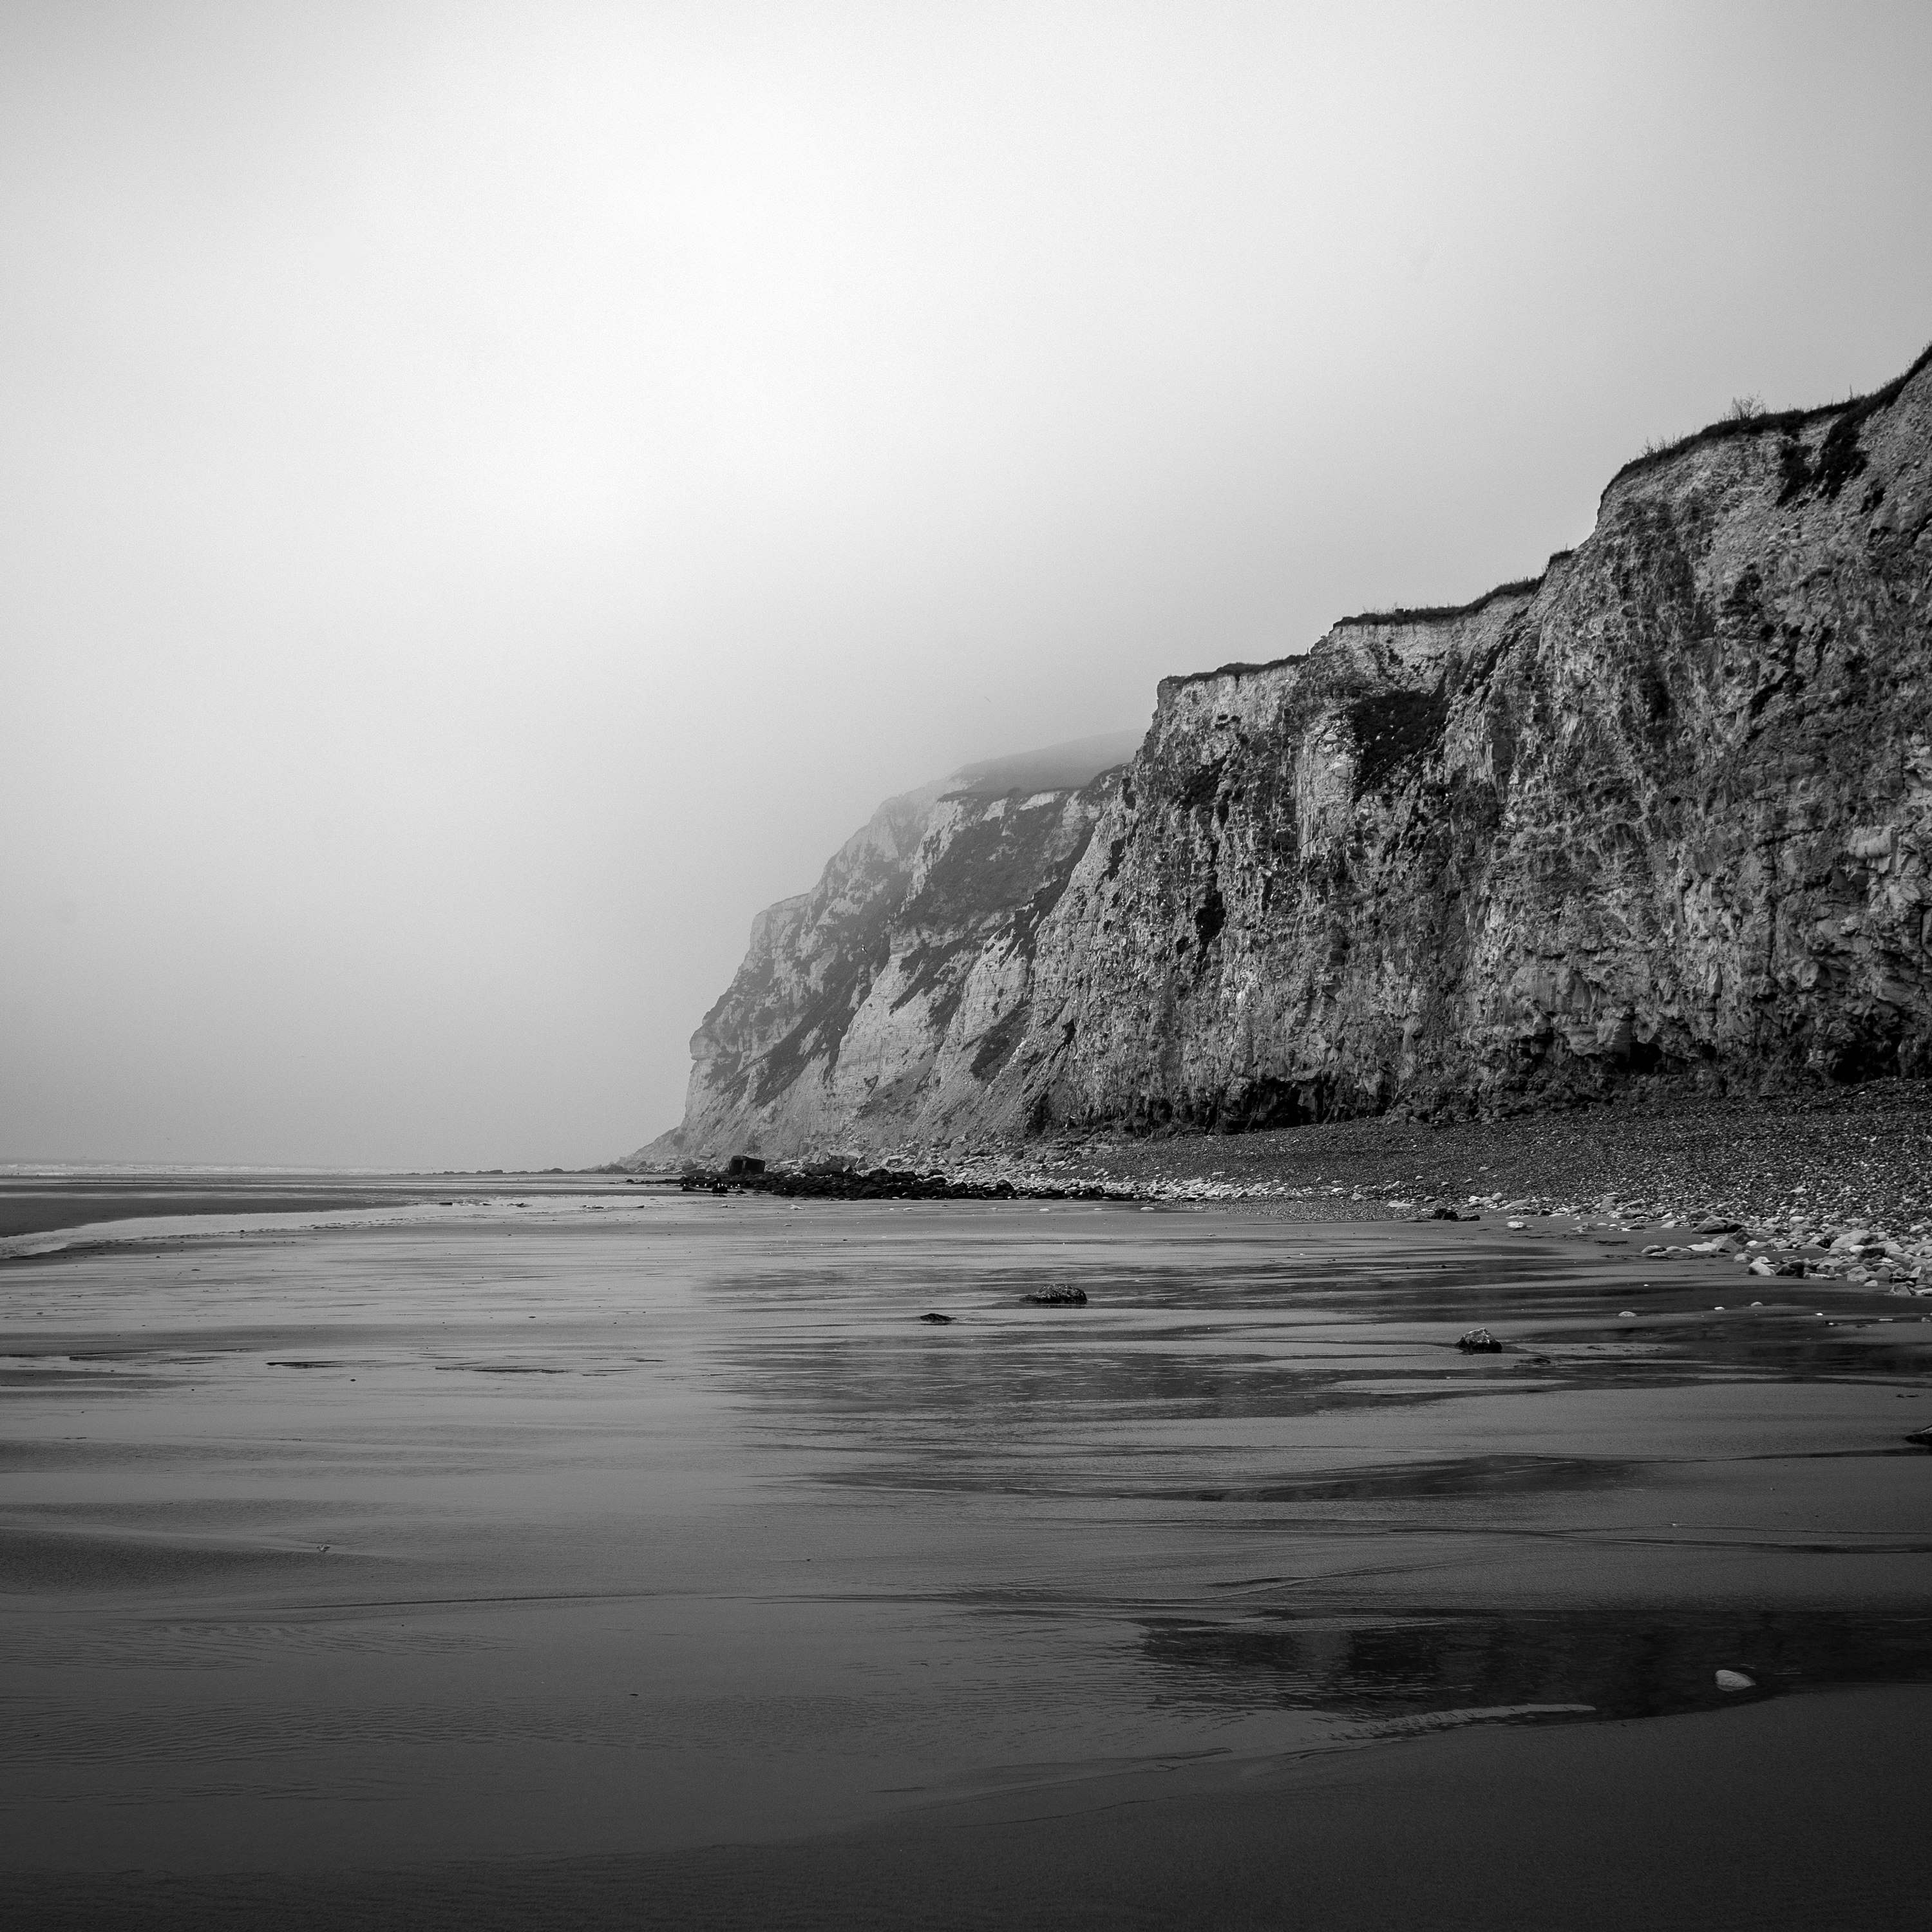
(1665, 811)
(865, 1007)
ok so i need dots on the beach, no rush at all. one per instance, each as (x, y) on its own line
(629, 1557)
(1850, 1156)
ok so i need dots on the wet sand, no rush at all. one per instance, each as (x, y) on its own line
(388, 1571)
(1797, 1813)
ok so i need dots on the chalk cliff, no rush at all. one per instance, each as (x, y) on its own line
(871, 1006)
(1664, 813)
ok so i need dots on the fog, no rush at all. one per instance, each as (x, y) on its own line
(492, 496)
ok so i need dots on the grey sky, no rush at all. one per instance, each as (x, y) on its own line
(491, 495)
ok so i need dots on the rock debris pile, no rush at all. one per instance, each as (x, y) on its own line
(1835, 1187)
(885, 1184)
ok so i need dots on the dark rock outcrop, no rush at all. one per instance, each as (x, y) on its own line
(884, 1183)
(1664, 813)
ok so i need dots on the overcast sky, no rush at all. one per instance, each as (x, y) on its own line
(490, 495)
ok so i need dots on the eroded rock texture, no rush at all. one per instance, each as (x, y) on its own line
(875, 1004)
(1665, 812)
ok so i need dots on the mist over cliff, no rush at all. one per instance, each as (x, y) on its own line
(1664, 813)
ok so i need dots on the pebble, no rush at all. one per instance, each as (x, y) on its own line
(1735, 1680)
(1824, 1163)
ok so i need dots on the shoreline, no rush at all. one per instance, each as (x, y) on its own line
(66, 1209)
(1836, 1185)
(1863, 1154)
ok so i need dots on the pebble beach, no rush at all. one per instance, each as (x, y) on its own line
(1834, 1184)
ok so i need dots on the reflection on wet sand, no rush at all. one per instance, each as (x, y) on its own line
(1630, 1661)
(623, 1530)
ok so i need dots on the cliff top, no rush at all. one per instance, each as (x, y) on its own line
(1748, 421)
(1062, 767)
(1851, 412)
(1433, 613)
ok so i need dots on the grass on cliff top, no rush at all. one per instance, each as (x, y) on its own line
(1854, 410)
(1440, 613)
(1742, 421)
(1426, 613)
